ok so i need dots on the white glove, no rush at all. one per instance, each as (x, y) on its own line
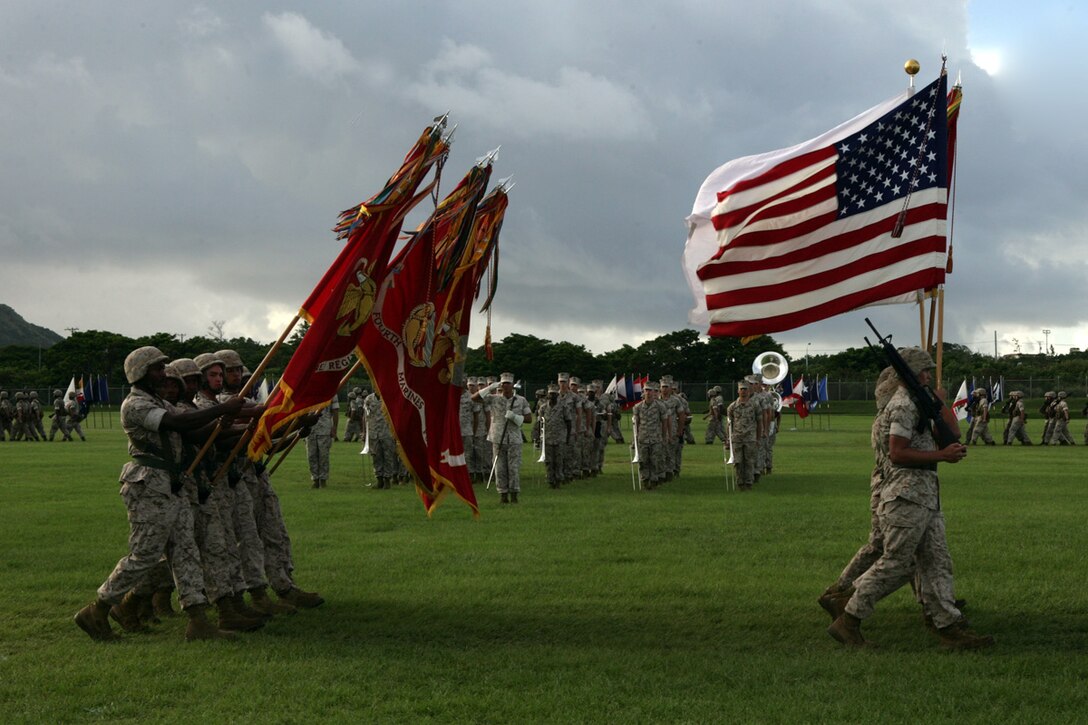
(486, 389)
(513, 417)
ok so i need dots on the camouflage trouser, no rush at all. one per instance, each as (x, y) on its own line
(1060, 435)
(483, 454)
(867, 555)
(1018, 432)
(317, 452)
(158, 579)
(982, 430)
(714, 429)
(745, 458)
(158, 523)
(914, 536)
(58, 425)
(761, 456)
(250, 547)
(1048, 431)
(588, 452)
(651, 462)
(218, 554)
(615, 432)
(571, 466)
(39, 429)
(507, 467)
(677, 455)
(278, 560)
(553, 463)
(770, 448)
(74, 426)
(383, 453)
(351, 431)
(598, 449)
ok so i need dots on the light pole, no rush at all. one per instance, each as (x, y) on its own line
(807, 346)
(1046, 343)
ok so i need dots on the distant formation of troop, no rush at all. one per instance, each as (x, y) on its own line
(21, 418)
(1054, 411)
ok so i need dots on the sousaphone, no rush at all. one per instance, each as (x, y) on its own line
(772, 367)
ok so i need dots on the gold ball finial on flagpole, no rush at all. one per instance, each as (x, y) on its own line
(911, 67)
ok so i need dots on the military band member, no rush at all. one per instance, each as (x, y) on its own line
(383, 448)
(650, 419)
(744, 418)
(556, 424)
(508, 412)
(352, 428)
(715, 424)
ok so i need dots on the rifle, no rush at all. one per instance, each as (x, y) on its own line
(929, 405)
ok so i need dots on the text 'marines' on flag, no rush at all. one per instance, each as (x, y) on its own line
(789, 237)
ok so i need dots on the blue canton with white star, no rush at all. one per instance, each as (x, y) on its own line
(903, 151)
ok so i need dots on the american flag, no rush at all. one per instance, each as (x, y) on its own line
(806, 233)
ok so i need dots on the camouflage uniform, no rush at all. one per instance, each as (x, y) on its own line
(1050, 400)
(600, 429)
(318, 444)
(912, 525)
(580, 437)
(60, 414)
(74, 416)
(715, 427)
(982, 420)
(160, 519)
(615, 412)
(383, 449)
(7, 413)
(505, 437)
(36, 416)
(650, 419)
(556, 422)
(743, 424)
(465, 414)
(1017, 421)
(352, 429)
(567, 460)
(534, 434)
(1060, 436)
(482, 446)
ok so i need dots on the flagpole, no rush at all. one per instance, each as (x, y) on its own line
(245, 391)
(940, 333)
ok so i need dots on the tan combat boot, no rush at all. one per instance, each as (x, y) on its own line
(300, 599)
(127, 614)
(232, 620)
(959, 636)
(247, 611)
(847, 629)
(834, 600)
(199, 626)
(94, 619)
(145, 609)
(266, 605)
(162, 604)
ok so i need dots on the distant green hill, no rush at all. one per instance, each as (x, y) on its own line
(14, 330)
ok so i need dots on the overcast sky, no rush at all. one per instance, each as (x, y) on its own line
(168, 164)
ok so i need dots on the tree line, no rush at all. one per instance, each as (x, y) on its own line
(684, 354)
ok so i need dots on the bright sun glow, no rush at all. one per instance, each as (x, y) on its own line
(988, 60)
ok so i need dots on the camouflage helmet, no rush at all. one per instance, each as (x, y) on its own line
(917, 359)
(57, 392)
(3, 395)
(33, 394)
(977, 392)
(351, 395)
(140, 360)
(20, 396)
(886, 385)
(186, 366)
(230, 359)
(173, 372)
(206, 359)
(1048, 394)
(1062, 395)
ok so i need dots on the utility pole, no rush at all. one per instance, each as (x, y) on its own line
(995, 344)
(71, 330)
(1046, 343)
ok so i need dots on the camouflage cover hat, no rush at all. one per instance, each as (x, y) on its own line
(886, 384)
(506, 378)
(917, 359)
(139, 360)
(742, 385)
(230, 358)
(652, 387)
(564, 377)
(575, 380)
(55, 392)
(540, 392)
(206, 359)
(553, 388)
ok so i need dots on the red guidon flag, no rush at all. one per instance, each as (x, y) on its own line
(342, 302)
(413, 348)
(851, 218)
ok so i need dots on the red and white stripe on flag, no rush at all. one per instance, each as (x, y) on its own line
(789, 237)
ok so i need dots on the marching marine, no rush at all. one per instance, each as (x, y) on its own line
(1060, 435)
(744, 418)
(1017, 420)
(60, 414)
(650, 419)
(555, 423)
(74, 416)
(981, 415)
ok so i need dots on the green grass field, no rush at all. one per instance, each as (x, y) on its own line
(588, 604)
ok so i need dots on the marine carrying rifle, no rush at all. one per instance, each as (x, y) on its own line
(928, 403)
